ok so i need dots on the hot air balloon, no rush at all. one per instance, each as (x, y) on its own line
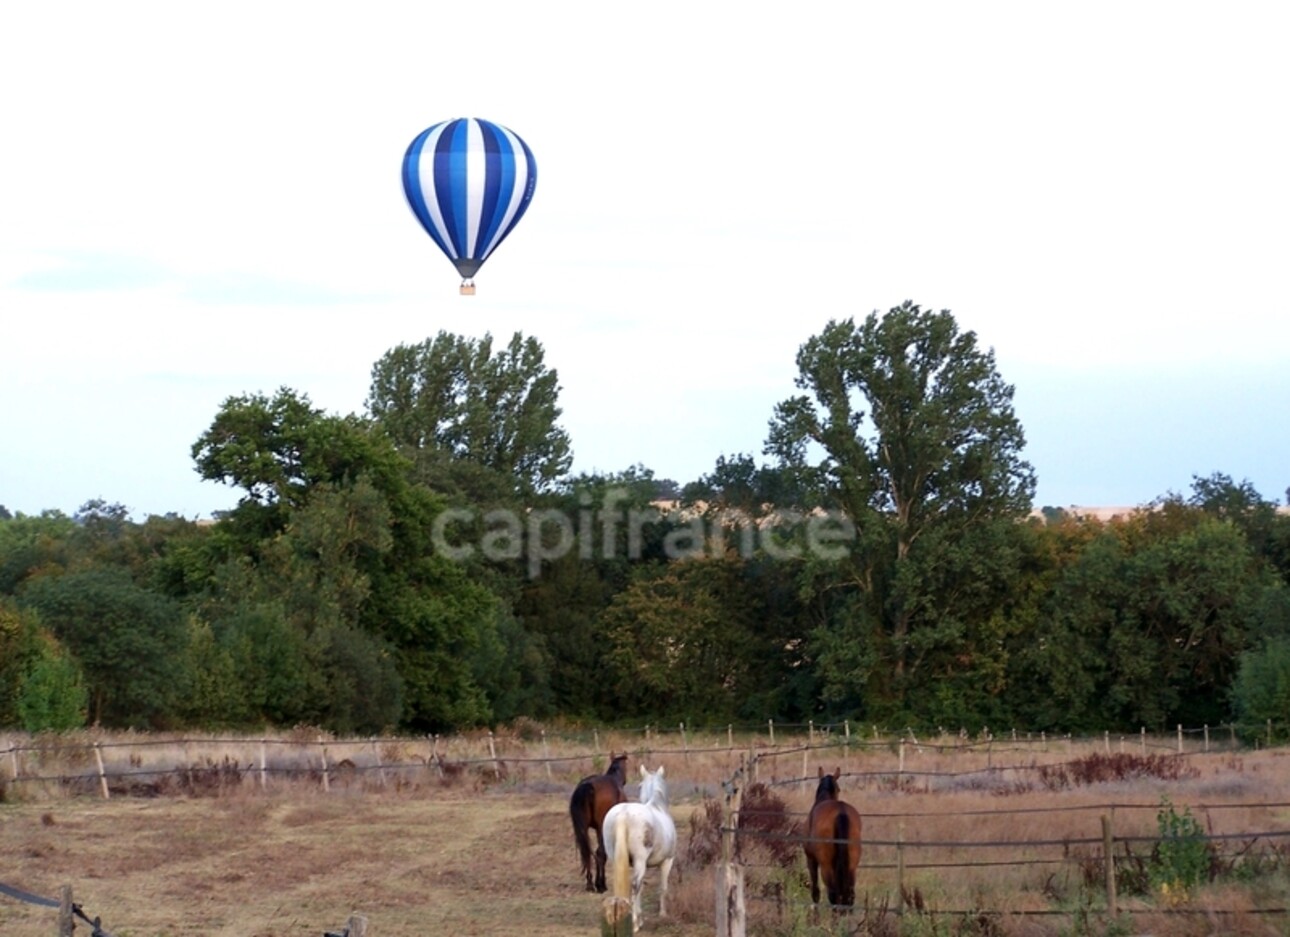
(469, 183)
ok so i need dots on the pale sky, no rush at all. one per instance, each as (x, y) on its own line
(202, 201)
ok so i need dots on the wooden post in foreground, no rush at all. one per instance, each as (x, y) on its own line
(732, 912)
(615, 917)
(65, 922)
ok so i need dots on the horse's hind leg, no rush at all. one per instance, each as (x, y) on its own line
(638, 888)
(601, 858)
(664, 871)
(813, 869)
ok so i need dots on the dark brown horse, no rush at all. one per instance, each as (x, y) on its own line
(591, 800)
(833, 843)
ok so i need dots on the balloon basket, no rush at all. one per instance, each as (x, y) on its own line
(468, 289)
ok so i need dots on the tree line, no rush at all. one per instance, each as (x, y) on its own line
(431, 564)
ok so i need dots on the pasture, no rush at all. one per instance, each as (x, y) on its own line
(476, 850)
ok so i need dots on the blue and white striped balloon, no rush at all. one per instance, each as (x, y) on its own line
(469, 183)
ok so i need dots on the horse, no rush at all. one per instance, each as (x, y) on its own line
(591, 800)
(642, 836)
(833, 843)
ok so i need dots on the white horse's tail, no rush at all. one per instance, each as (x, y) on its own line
(622, 860)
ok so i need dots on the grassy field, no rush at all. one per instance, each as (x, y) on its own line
(460, 847)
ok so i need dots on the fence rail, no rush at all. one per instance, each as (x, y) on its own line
(321, 758)
(108, 765)
(1108, 854)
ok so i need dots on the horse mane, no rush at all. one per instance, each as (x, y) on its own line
(617, 768)
(828, 789)
(653, 787)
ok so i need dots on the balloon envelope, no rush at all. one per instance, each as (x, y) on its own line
(469, 183)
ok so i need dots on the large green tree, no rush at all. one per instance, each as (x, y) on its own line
(338, 550)
(1144, 622)
(908, 428)
(126, 638)
(475, 418)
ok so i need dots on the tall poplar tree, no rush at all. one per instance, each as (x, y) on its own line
(906, 426)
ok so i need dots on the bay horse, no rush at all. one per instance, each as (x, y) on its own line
(833, 843)
(642, 836)
(591, 800)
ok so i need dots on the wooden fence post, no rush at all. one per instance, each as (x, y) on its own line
(731, 910)
(770, 725)
(66, 924)
(1180, 739)
(1207, 738)
(615, 917)
(492, 751)
(98, 756)
(264, 766)
(900, 867)
(1108, 858)
(326, 782)
(546, 755)
(380, 768)
(685, 743)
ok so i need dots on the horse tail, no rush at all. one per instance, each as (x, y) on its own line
(580, 807)
(842, 857)
(622, 860)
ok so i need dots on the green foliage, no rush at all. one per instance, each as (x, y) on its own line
(126, 639)
(920, 448)
(41, 687)
(31, 544)
(458, 406)
(213, 694)
(1181, 858)
(325, 597)
(51, 695)
(1261, 690)
(1144, 622)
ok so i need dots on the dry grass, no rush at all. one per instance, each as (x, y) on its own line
(433, 836)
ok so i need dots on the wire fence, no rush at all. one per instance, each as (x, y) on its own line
(153, 765)
(902, 844)
(937, 862)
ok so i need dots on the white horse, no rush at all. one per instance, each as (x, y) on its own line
(644, 836)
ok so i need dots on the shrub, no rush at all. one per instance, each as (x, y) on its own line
(1181, 859)
(1099, 769)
